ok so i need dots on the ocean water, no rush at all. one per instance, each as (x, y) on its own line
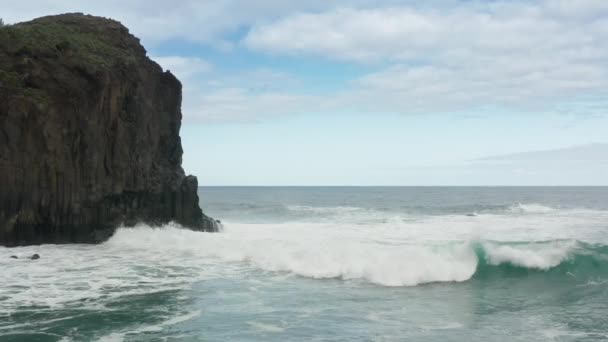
(330, 264)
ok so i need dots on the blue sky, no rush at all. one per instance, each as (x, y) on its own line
(379, 92)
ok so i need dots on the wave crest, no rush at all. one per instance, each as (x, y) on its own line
(378, 262)
(530, 208)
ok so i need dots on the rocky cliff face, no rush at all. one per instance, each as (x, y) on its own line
(89, 134)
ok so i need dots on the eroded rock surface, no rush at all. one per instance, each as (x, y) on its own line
(89, 134)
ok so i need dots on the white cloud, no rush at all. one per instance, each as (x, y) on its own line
(403, 31)
(492, 54)
(211, 96)
(593, 153)
(258, 80)
(578, 165)
(244, 105)
(156, 21)
(428, 56)
(184, 68)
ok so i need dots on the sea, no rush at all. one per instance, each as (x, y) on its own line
(330, 264)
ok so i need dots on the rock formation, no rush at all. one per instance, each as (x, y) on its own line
(89, 134)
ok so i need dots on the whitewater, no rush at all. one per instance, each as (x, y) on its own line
(337, 264)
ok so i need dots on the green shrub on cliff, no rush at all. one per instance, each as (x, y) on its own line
(74, 43)
(77, 39)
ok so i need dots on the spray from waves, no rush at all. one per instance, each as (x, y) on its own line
(324, 210)
(318, 255)
(145, 260)
(408, 213)
(344, 256)
(350, 214)
(570, 259)
(517, 208)
(530, 208)
(89, 276)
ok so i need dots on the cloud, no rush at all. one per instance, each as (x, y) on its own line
(241, 104)
(593, 153)
(429, 56)
(256, 80)
(513, 54)
(156, 21)
(217, 96)
(409, 33)
(184, 68)
(576, 165)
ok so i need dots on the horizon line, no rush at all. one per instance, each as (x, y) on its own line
(404, 186)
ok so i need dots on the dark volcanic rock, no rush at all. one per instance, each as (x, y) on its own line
(89, 134)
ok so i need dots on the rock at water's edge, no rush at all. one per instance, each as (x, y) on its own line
(89, 134)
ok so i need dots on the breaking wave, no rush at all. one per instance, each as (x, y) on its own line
(389, 252)
(323, 210)
(575, 260)
(531, 208)
(351, 257)
(346, 212)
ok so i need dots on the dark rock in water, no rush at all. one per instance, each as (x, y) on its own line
(14, 257)
(89, 134)
(472, 215)
(219, 226)
(35, 257)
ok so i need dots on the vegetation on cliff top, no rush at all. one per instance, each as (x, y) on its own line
(79, 41)
(78, 35)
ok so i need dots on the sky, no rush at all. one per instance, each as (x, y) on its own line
(382, 92)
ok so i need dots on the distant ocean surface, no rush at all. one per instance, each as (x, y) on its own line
(331, 264)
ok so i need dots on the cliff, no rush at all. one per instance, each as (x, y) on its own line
(89, 134)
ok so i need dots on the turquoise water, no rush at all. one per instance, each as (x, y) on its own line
(331, 264)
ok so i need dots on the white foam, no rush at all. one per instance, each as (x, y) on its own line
(120, 336)
(324, 210)
(395, 253)
(447, 326)
(344, 214)
(182, 318)
(345, 254)
(91, 275)
(327, 253)
(266, 327)
(539, 256)
(533, 208)
(373, 316)
(113, 337)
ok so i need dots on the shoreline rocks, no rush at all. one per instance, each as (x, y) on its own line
(89, 135)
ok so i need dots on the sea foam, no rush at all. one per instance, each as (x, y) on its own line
(445, 248)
